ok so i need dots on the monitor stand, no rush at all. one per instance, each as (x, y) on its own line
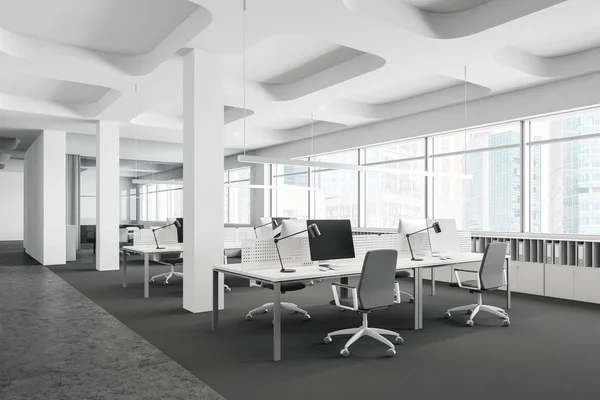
(324, 263)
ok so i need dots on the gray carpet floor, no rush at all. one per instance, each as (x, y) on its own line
(549, 352)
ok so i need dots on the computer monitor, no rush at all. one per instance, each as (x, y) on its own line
(265, 231)
(447, 240)
(170, 220)
(407, 226)
(335, 241)
(291, 226)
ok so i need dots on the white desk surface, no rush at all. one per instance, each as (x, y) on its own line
(342, 268)
(170, 248)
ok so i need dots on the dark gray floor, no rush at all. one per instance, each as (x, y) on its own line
(12, 254)
(549, 352)
(57, 344)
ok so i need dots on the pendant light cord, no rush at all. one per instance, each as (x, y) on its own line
(465, 114)
(244, 67)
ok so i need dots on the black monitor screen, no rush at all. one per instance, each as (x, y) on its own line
(335, 241)
(180, 231)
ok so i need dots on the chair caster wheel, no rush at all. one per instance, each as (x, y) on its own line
(345, 352)
(295, 312)
(165, 283)
(327, 339)
(447, 315)
(227, 289)
(306, 317)
(391, 352)
(469, 312)
(399, 340)
(470, 322)
(248, 317)
(411, 300)
(506, 323)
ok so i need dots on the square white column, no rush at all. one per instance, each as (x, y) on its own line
(107, 196)
(202, 177)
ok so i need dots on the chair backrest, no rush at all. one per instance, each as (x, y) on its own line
(491, 272)
(376, 285)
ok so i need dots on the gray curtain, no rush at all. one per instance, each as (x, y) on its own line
(73, 176)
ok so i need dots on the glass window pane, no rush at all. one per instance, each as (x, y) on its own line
(480, 138)
(162, 206)
(124, 207)
(237, 200)
(565, 179)
(491, 201)
(566, 125)
(391, 196)
(133, 204)
(395, 151)
(152, 205)
(239, 174)
(226, 206)
(291, 203)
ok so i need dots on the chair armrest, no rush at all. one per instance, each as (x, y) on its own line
(460, 285)
(466, 270)
(336, 296)
(342, 285)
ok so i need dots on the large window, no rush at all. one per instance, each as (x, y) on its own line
(391, 196)
(565, 174)
(290, 202)
(491, 200)
(237, 199)
(336, 191)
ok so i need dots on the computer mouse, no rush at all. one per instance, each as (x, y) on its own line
(323, 269)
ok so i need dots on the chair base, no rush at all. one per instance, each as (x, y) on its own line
(365, 330)
(167, 275)
(474, 309)
(398, 293)
(287, 306)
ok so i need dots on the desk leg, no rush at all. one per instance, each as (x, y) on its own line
(216, 293)
(433, 281)
(277, 322)
(344, 291)
(146, 276)
(507, 284)
(124, 270)
(418, 293)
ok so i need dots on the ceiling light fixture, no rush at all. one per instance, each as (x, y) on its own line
(236, 185)
(350, 167)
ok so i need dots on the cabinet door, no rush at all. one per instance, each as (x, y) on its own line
(513, 277)
(559, 282)
(586, 284)
(530, 278)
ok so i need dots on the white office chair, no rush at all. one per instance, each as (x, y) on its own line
(491, 276)
(170, 259)
(373, 293)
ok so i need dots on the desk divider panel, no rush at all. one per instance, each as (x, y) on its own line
(164, 236)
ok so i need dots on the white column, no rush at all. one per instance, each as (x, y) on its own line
(107, 196)
(202, 177)
(45, 195)
(54, 179)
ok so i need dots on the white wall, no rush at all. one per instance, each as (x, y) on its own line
(45, 199)
(11, 206)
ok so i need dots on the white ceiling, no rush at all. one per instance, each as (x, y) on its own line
(346, 63)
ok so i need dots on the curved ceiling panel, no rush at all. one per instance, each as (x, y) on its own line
(131, 27)
(463, 22)
(414, 105)
(569, 65)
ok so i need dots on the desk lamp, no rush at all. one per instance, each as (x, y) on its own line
(313, 231)
(436, 228)
(176, 223)
(260, 226)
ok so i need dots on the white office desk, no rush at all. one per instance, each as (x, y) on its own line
(342, 270)
(148, 250)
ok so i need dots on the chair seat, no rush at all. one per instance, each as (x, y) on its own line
(468, 284)
(287, 287)
(172, 261)
(402, 274)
